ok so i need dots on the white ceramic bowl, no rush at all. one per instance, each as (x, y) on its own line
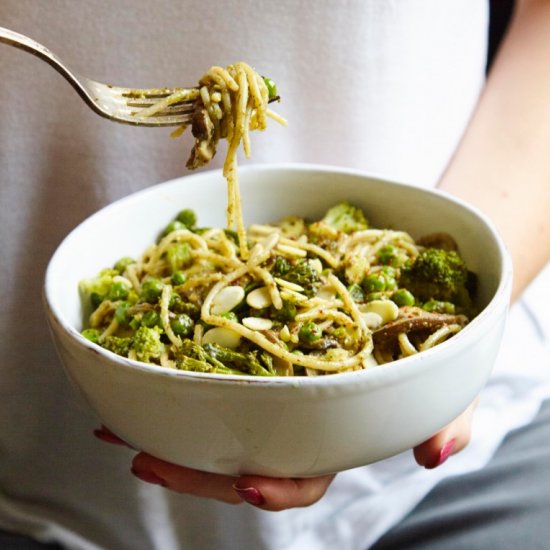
(278, 426)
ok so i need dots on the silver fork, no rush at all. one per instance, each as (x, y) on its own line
(127, 105)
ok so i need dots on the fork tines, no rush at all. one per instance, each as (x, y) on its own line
(144, 98)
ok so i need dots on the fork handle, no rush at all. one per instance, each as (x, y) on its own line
(12, 38)
(27, 44)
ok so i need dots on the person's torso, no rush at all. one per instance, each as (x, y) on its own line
(386, 87)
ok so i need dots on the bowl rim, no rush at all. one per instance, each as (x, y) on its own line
(399, 369)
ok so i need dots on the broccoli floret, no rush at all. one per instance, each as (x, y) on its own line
(229, 233)
(183, 362)
(306, 275)
(118, 345)
(436, 274)
(191, 356)
(123, 263)
(249, 362)
(147, 343)
(217, 359)
(346, 218)
(286, 313)
(292, 227)
(281, 267)
(91, 334)
(97, 289)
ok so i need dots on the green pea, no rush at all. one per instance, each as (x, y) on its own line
(182, 325)
(178, 278)
(391, 284)
(403, 297)
(173, 226)
(437, 306)
(191, 309)
(150, 318)
(310, 332)
(375, 296)
(118, 291)
(121, 313)
(375, 282)
(390, 277)
(151, 290)
(271, 88)
(175, 302)
(178, 256)
(187, 217)
(388, 271)
(388, 255)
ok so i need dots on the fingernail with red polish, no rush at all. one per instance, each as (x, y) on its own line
(106, 436)
(149, 477)
(444, 454)
(250, 495)
(109, 437)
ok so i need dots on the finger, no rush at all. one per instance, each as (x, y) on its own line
(104, 434)
(277, 494)
(450, 440)
(184, 480)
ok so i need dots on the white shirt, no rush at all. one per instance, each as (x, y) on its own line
(384, 86)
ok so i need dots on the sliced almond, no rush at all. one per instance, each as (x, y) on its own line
(326, 292)
(317, 265)
(387, 309)
(288, 284)
(259, 298)
(372, 319)
(257, 323)
(228, 298)
(223, 337)
(284, 334)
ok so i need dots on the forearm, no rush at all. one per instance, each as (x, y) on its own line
(503, 162)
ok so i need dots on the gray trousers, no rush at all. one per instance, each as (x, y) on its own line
(504, 506)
